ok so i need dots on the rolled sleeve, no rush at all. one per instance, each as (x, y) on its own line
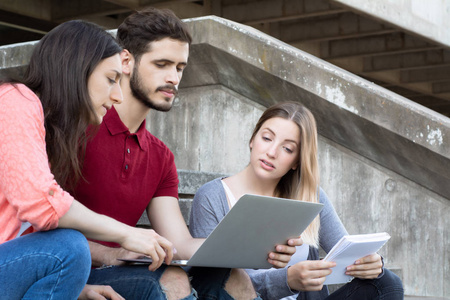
(28, 190)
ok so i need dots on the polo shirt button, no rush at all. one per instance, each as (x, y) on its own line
(126, 167)
(128, 150)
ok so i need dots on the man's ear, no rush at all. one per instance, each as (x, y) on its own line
(127, 61)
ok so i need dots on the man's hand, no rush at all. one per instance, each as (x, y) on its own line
(283, 254)
(309, 275)
(368, 267)
(99, 292)
(149, 243)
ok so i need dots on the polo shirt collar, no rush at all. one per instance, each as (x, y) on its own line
(115, 126)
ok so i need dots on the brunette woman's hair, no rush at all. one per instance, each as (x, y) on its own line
(303, 182)
(58, 73)
(140, 29)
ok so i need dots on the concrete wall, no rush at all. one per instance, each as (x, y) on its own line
(211, 132)
(429, 19)
(213, 126)
(385, 161)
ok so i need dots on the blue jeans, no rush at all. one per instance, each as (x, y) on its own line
(44, 265)
(389, 286)
(210, 283)
(133, 281)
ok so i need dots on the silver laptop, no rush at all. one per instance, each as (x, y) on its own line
(250, 230)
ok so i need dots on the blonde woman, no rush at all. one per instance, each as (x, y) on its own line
(283, 163)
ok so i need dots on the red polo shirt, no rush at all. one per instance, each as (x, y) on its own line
(123, 171)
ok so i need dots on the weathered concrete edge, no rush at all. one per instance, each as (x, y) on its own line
(341, 88)
(384, 108)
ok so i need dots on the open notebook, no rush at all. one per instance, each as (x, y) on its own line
(251, 229)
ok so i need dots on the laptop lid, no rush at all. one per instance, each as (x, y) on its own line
(251, 229)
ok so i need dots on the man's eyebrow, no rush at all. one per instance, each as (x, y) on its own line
(169, 61)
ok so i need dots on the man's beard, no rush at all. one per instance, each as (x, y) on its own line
(141, 93)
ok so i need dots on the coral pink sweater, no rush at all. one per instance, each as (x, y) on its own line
(28, 190)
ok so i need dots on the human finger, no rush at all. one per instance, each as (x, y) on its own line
(99, 292)
(368, 270)
(365, 274)
(168, 249)
(370, 262)
(93, 295)
(110, 293)
(368, 259)
(276, 264)
(149, 243)
(156, 261)
(295, 242)
(278, 261)
(321, 264)
(164, 249)
(161, 252)
(320, 273)
(312, 284)
(285, 249)
(144, 240)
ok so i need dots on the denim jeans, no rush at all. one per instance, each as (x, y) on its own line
(210, 283)
(133, 282)
(44, 265)
(389, 286)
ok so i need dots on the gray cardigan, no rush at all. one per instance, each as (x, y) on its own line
(210, 206)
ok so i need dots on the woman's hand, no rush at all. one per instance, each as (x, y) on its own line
(368, 267)
(281, 258)
(309, 275)
(148, 242)
(103, 228)
(99, 292)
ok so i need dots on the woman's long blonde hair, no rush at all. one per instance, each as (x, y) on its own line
(303, 182)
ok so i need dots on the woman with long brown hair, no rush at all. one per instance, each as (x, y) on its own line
(71, 81)
(283, 163)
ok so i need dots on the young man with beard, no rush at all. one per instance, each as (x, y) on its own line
(127, 171)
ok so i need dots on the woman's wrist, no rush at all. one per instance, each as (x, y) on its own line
(290, 278)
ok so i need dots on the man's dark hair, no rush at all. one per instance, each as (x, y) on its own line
(143, 27)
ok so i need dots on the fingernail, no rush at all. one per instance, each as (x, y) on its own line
(175, 250)
(357, 262)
